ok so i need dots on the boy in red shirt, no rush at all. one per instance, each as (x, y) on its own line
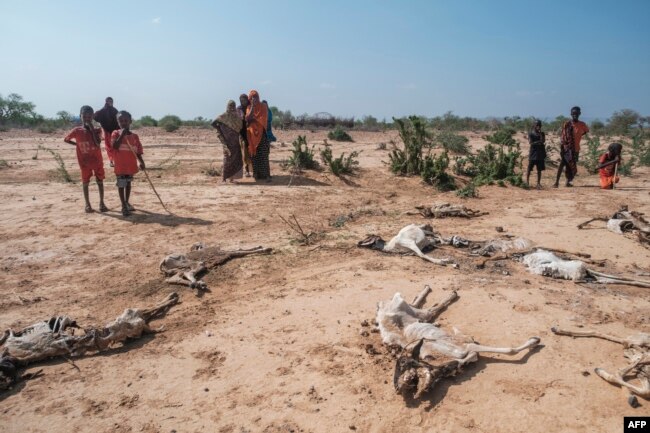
(607, 165)
(89, 155)
(127, 151)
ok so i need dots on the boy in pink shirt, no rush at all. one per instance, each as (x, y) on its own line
(127, 151)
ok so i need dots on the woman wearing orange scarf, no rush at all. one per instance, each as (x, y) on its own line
(258, 143)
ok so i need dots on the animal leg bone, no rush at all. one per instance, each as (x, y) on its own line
(532, 342)
(594, 334)
(642, 391)
(434, 311)
(411, 245)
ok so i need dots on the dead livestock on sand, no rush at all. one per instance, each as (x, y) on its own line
(429, 353)
(187, 269)
(56, 338)
(625, 221)
(447, 210)
(637, 351)
(410, 239)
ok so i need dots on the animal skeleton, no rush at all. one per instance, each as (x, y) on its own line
(55, 337)
(637, 350)
(625, 220)
(404, 324)
(444, 210)
(412, 238)
(186, 269)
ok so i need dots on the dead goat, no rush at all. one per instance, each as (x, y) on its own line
(637, 350)
(625, 220)
(410, 239)
(55, 337)
(446, 210)
(186, 269)
(411, 328)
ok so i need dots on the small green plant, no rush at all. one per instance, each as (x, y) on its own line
(212, 171)
(452, 142)
(640, 149)
(503, 136)
(47, 127)
(341, 165)
(339, 134)
(589, 158)
(61, 171)
(3, 164)
(463, 166)
(302, 157)
(170, 123)
(434, 172)
(625, 169)
(468, 191)
(381, 146)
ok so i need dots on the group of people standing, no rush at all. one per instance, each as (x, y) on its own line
(246, 134)
(571, 135)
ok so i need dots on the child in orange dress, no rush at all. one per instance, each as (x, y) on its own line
(89, 155)
(607, 166)
(127, 151)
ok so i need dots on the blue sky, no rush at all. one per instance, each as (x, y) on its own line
(355, 57)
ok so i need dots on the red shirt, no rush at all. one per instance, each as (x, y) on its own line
(89, 154)
(580, 128)
(125, 161)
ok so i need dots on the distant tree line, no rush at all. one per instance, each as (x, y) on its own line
(15, 112)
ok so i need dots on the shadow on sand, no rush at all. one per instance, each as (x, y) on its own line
(167, 220)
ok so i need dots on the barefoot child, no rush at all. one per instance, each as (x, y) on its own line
(607, 166)
(537, 153)
(89, 155)
(126, 145)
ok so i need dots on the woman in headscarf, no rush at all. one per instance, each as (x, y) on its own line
(228, 126)
(258, 142)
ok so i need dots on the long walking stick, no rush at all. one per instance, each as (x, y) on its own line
(615, 174)
(150, 183)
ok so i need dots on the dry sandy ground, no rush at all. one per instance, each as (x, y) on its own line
(275, 346)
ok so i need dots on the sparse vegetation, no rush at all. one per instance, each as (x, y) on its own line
(3, 164)
(468, 191)
(452, 142)
(61, 171)
(170, 123)
(413, 132)
(145, 121)
(589, 158)
(212, 170)
(497, 162)
(302, 157)
(342, 164)
(339, 134)
(434, 172)
(198, 122)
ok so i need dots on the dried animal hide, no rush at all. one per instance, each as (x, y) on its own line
(624, 221)
(445, 210)
(186, 269)
(56, 337)
(429, 352)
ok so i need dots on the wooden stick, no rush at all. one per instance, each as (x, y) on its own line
(615, 174)
(149, 180)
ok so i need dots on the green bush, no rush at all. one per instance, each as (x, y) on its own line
(147, 121)
(452, 142)
(170, 123)
(200, 122)
(415, 136)
(339, 134)
(640, 149)
(434, 172)
(302, 157)
(341, 165)
(468, 191)
(589, 158)
(61, 171)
